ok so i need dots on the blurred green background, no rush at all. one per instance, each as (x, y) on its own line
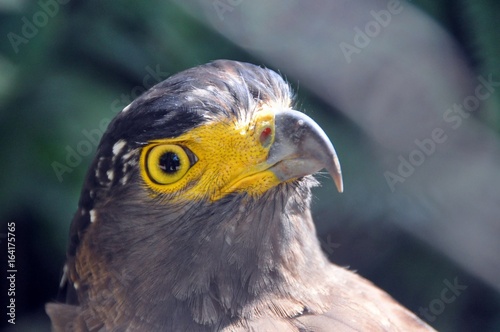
(67, 67)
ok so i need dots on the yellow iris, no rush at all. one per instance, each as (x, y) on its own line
(166, 163)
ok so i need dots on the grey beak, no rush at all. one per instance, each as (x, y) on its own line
(301, 148)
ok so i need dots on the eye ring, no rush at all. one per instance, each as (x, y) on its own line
(167, 163)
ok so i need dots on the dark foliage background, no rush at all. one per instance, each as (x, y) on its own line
(66, 67)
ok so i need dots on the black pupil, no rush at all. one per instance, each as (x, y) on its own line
(170, 162)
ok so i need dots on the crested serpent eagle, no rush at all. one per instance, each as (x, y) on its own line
(195, 216)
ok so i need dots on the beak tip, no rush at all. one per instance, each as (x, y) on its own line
(336, 171)
(337, 178)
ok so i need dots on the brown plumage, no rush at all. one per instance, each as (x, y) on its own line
(216, 233)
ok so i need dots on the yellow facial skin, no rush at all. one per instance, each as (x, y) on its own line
(230, 157)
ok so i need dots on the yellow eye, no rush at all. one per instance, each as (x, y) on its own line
(167, 163)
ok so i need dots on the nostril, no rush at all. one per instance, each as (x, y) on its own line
(266, 136)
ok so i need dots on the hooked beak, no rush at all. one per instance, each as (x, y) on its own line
(301, 148)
